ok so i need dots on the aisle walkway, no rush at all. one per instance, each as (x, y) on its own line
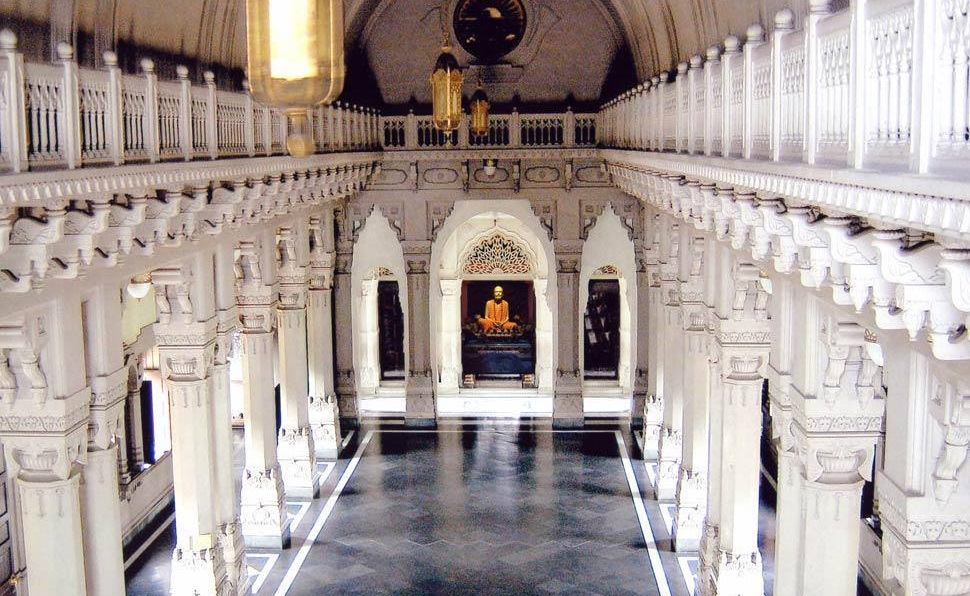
(471, 508)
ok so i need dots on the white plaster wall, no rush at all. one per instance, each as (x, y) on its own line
(608, 243)
(377, 246)
(472, 219)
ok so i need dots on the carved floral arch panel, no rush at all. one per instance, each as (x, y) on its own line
(497, 254)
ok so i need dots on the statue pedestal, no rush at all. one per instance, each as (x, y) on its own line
(498, 358)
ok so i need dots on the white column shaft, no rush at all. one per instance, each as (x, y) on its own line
(101, 510)
(51, 524)
(788, 526)
(262, 514)
(230, 532)
(830, 541)
(295, 450)
(323, 415)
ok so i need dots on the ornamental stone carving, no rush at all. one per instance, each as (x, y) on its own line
(497, 254)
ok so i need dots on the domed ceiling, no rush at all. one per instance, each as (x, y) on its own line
(561, 48)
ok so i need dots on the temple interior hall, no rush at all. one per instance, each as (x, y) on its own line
(484, 297)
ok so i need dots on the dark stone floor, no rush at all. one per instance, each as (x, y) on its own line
(474, 507)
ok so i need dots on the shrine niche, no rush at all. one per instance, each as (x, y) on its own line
(498, 314)
(495, 321)
(498, 330)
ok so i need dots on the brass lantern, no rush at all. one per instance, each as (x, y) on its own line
(446, 83)
(296, 59)
(478, 108)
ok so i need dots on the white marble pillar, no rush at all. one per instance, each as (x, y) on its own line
(262, 511)
(39, 350)
(133, 417)
(419, 398)
(739, 567)
(345, 385)
(567, 401)
(830, 540)
(924, 506)
(186, 338)
(50, 515)
(692, 486)
(709, 547)
(296, 452)
(104, 563)
(671, 435)
(641, 384)
(368, 365)
(198, 565)
(653, 411)
(230, 531)
(324, 415)
(449, 377)
(788, 526)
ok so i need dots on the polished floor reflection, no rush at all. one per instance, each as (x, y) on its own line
(471, 508)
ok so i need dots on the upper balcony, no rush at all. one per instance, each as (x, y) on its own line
(863, 110)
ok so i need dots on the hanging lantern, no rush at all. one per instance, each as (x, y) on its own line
(446, 83)
(296, 59)
(478, 108)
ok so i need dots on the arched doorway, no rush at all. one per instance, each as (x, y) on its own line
(378, 311)
(481, 246)
(607, 292)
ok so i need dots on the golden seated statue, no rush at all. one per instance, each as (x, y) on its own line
(497, 316)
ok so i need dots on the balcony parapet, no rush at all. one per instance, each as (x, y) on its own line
(62, 116)
(506, 131)
(880, 86)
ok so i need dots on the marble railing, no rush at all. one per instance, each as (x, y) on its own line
(62, 116)
(882, 85)
(506, 131)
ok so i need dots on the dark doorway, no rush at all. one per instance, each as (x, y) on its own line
(147, 421)
(601, 323)
(390, 331)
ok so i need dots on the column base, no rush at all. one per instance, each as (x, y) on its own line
(262, 513)
(325, 424)
(419, 402)
(199, 572)
(653, 415)
(707, 559)
(739, 574)
(298, 463)
(234, 555)
(567, 403)
(668, 468)
(691, 511)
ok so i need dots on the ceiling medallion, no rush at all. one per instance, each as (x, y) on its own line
(489, 29)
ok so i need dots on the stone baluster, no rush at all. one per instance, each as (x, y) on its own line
(324, 415)
(420, 406)
(296, 452)
(263, 513)
(186, 337)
